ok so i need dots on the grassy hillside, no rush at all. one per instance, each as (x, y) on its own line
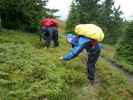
(30, 72)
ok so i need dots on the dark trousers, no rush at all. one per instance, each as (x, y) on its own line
(50, 35)
(92, 58)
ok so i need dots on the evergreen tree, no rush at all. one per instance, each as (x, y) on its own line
(111, 21)
(102, 13)
(0, 24)
(88, 10)
(124, 50)
(73, 17)
(82, 11)
(21, 14)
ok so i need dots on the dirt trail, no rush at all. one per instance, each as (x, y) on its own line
(119, 67)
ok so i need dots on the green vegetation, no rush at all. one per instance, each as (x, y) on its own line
(115, 84)
(20, 15)
(122, 52)
(99, 12)
(30, 72)
(125, 47)
(23, 15)
(109, 51)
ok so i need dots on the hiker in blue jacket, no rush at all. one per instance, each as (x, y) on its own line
(79, 43)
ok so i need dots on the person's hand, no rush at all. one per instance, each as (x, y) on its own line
(61, 58)
(62, 61)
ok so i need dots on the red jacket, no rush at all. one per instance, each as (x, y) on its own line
(49, 22)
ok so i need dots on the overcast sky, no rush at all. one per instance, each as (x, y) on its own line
(64, 7)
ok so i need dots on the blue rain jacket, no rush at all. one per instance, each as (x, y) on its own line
(82, 43)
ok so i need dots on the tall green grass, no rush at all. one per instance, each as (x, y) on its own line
(28, 71)
(116, 85)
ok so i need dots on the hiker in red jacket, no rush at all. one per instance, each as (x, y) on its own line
(49, 28)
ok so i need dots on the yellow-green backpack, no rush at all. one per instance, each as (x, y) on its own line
(90, 30)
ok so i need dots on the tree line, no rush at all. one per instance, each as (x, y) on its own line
(23, 14)
(102, 13)
(118, 31)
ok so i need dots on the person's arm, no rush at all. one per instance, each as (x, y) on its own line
(74, 52)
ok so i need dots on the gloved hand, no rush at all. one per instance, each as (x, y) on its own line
(62, 61)
(61, 58)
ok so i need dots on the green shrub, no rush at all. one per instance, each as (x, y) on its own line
(125, 47)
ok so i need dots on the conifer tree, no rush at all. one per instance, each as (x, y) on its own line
(124, 51)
